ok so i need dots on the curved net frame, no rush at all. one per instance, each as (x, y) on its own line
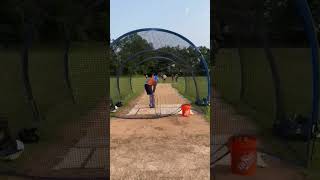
(53, 117)
(267, 69)
(164, 52)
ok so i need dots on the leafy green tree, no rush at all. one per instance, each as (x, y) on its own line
(206, 54)
(127, 47)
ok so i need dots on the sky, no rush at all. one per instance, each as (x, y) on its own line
(190, 18)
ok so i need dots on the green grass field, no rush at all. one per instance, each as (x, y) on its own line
(186, 87)
(88, 72)
(125, 89)
(258, 99)
(187, 90)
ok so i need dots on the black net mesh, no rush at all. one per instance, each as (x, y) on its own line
(263, 80)
(72, 135)
(54, 92)
(176, 61)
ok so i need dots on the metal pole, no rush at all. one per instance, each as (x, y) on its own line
(66, 63)
(305, 13)
(279, 105)
(25, 72)
(115, 43)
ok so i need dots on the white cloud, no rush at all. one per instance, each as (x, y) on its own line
(186, 11)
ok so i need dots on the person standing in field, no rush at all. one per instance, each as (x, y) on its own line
(164, 77)
(177, 76)
(150, 87)
(156, 77)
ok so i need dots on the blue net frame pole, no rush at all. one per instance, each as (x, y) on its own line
(66, 63)
(133, 57)
(203, 61)
(309, 27)
(160, 70)
(263, 35)
(196, 86)
(119, 72)
(136, 55)
(158, 59)
(25, 72)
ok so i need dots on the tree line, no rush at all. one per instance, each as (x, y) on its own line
(53, 20)
(133, 44)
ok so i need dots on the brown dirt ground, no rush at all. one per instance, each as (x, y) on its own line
(227, 122)
(168, 148)
(164, 94)
(40, 163)
(178, 148)
(173, 147)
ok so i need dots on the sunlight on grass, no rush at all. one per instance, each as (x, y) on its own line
(189, 91)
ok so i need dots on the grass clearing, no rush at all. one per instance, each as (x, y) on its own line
(138, 87)
(125, 89)
(127, 94)
(186, 87)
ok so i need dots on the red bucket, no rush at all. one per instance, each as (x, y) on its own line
(243, 155)
(186, 108)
